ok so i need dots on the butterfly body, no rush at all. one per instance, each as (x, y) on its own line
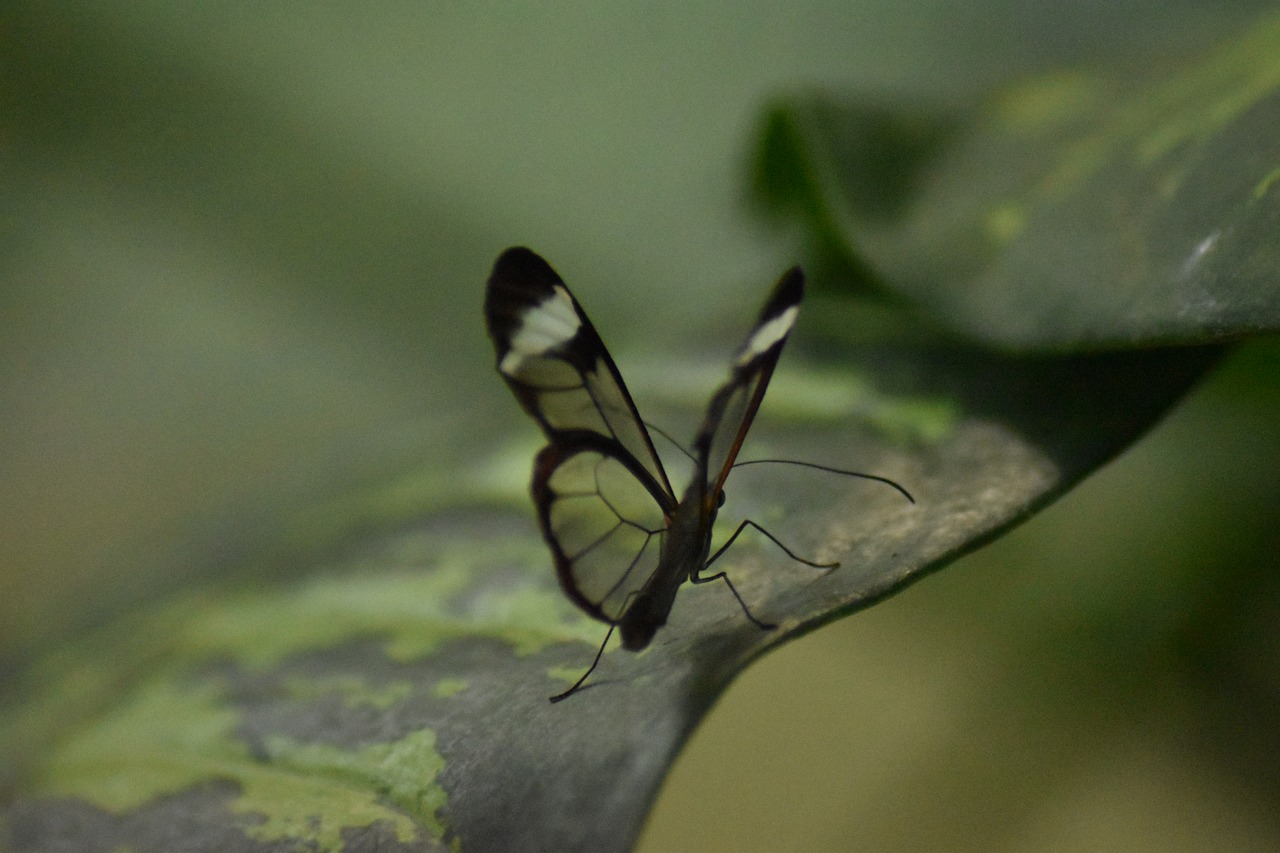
(621, 540)
(685, 549)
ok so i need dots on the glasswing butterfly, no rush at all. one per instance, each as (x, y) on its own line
(622, 542)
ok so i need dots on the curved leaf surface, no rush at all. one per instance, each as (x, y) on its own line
(395, 697)
(1073, 211)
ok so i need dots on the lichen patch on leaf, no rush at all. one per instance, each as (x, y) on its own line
(166, 736)
(339, 788)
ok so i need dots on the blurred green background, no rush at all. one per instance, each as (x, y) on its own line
(241, 264)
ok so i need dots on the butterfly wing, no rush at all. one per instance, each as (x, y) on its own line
(601, 522)
(554, 361)
(729, 416)
(733, 407)
(602, 495)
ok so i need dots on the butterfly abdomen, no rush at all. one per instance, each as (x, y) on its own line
(684, 553)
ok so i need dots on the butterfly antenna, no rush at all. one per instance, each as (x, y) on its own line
(677, 445)
(831, 470)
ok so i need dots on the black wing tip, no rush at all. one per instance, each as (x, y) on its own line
(520, 264)
(517, 254)
(520, 278)
(787, 292)
(790, 287)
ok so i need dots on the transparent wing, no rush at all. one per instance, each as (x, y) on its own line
(603, 526)
(603, 499)
(557, 366)
(735, 403)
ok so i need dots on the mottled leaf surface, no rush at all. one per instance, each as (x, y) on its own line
(390, 693)
(1079, 209)
(394, 696)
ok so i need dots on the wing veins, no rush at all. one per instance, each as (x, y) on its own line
(622, 521)
(752, 369)
(600, 540)
(541, 334)
(631, 567)
(562, 374)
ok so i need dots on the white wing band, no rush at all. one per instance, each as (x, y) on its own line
(545, 326)
(767, 335)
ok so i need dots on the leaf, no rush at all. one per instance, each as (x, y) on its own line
(1071, 211)
(393, 693)
(395, 696)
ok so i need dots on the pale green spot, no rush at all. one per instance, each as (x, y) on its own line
(918, 420)
(818, 395)
(1192, 107)
(504, 472)
(102, 732)
(408, 607)
(1144, 128)
(447, 687)
(567, 674)
(841, 395)
(501, 475)
(1006, 222)
(171, 735)
(260, 627)
(346, 788)
(166, 737)
(1043, 102)
(1268, 181)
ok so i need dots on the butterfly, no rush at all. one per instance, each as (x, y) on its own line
(622, 541)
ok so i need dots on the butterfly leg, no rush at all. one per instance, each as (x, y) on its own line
(774, 540)
(721, 576)
(574, 689)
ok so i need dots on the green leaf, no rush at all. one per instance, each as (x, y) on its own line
(1077, 210)
(391, 692)
(395, 695)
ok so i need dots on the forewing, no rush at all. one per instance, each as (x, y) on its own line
(734, 404)
(603, 526)
(557, 366)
